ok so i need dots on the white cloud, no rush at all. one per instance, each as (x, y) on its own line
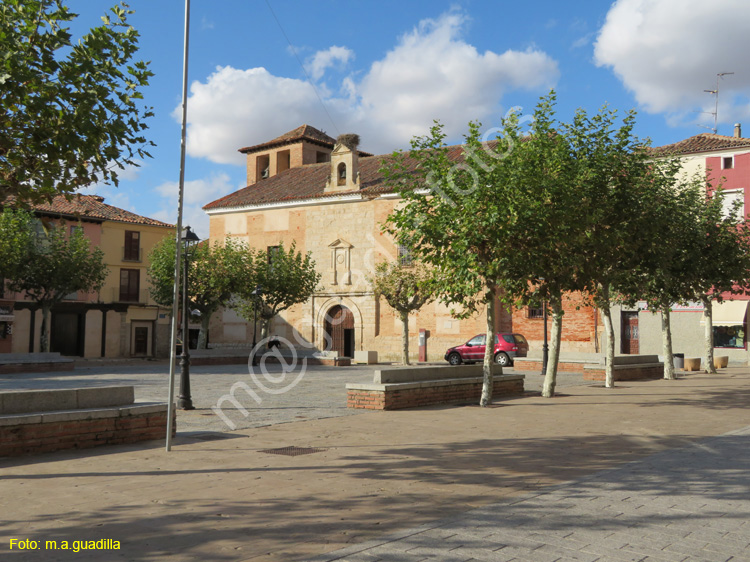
(323, 60)
(667, 52)
(431, 73)
(196, 194)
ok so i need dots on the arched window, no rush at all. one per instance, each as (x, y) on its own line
(342, 174)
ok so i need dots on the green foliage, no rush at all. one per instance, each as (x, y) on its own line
(69, 111)
(405, 288)
(215, 273)
(16, 241)
(286, 278)
(57, 264)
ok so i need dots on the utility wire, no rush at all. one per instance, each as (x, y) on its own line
(302, 66)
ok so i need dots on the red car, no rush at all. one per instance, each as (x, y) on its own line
(507, 346)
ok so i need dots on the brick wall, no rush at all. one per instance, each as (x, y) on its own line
(580, 325)
(626, 374)
(16, 440)
(428, 396)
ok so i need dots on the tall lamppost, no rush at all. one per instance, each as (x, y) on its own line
(257, 292)
(545, 347)
(184, 400)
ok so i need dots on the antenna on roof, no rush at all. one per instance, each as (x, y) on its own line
(715, 92)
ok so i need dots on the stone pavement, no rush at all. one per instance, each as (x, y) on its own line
(648, 469)
(682, 505)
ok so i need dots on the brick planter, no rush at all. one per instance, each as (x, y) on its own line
(413, 387)
(51, 420)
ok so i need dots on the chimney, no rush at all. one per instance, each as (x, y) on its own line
(738, 130)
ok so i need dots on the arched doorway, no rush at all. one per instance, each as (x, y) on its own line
(339, 327)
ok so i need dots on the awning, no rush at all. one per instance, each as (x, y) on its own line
(728, 313)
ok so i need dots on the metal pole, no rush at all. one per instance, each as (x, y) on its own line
(178, 234)
(255, 327)
(184, 400)
(545, 347)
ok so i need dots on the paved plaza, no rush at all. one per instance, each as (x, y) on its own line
(650, 470)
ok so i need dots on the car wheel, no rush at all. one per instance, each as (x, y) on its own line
(502, 359)
(454, 359)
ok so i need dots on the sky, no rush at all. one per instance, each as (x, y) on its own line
(386, 70)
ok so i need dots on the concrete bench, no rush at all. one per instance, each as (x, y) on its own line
(37, 421)
(34, 363)
(412, 387)
(628, 368)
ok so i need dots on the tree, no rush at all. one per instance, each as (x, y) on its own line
(285, 278)
(58, 264)
(16, 240)
(722, 259)
(69, 113)
(459, 220)
(405, 289)
(215, 273)
(669, 263)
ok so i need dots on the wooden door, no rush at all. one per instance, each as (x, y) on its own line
(339, 328)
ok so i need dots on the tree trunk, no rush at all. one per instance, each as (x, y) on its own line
(203, 335)
(44, 338)
(708, 318)
(404, 338)
(550, 376)
(609, 358)
(265, 324)
(666, 332)
(489, 351)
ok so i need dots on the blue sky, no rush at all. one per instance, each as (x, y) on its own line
(386, 69)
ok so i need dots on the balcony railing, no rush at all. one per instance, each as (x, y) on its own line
(113, 294)
(131, 255)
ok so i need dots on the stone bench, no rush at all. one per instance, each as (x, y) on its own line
(628, 368)
(34, 363)
(38, 421)
(412, 387)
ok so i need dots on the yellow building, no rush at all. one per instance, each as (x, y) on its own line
(331, 200)
(121, 320)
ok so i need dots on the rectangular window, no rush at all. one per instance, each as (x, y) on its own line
(727, 163)
(729, 336)
(732, 198)
(404, 255)
(129, 285)
(132, 248)
(271, 252)
(536, 312)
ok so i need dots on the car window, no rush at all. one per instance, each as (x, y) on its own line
(477, 340)
(519, 338)
(508, 338)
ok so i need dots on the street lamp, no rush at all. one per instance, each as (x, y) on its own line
(545, 347)
(257, 292)
(184, 400)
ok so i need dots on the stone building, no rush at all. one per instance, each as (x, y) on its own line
(331, 199)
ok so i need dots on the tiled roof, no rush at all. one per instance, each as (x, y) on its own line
(308, 182)
(303, 132)
(90, 207)
(705, 142)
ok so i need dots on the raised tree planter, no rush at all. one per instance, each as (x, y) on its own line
(534, 364)
(40, 421)
(412, 387)
(692, 363)
(721, 361)
(628, 368)
(34, 363)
